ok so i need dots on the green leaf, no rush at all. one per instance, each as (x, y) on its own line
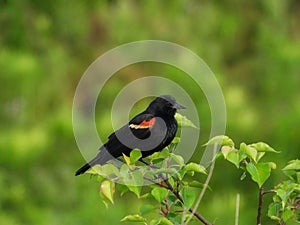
(197, 184)
(293, 175)
(100, 178)
(259, 156)
(220, 140)
(284, 195)
(159, 194)
(177, 159)
(122, 189)
(108, 188)
(165, 170)
(243, 176)
(165, 221)
(293, 165)
(180, 174)
(124, 170)
(274, 210)
(165, 153)
(137, 176)
(287, 215)
(183, 121)
(94, 170)
(176, 140)
(171, 181)
(259, 172)
(104, 199)
(146, 208)
(135, 155)
(195, 167)
(250, 151)
(161, 221)
(272, 165)
(159, 155)
(147, 196)
(234, 157)
(135, 182)
(263, 147)
(225, 150)
(188, 197)
(154, 222)
(135, 189)
(105, 170)
(133, 218)
(127, 159)
(109, 169)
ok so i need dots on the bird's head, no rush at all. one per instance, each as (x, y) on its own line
(164, 105)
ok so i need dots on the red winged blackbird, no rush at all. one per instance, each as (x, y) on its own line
(149, 131)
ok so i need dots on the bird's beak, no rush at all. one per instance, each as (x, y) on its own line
(178, 106)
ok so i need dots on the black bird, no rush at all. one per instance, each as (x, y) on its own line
(149, 131)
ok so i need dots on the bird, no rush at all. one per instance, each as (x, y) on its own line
(150, 131)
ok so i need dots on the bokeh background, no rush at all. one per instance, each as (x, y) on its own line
(253, 47)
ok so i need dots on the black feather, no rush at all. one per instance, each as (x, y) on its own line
(147, 139)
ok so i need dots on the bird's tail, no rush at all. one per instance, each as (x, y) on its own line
(83, 169)
(102, 157)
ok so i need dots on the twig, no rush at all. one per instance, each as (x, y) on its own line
(163, 212)
(269, 191)
(206, 183)
(260, 202)
(197, 215)
(153, 182)
(168, 186)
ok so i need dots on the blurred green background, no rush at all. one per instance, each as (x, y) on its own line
(45, 46)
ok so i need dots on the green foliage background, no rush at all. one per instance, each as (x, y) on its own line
(45, 46)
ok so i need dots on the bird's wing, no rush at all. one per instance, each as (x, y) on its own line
(141, 125)
(128, 137)
(151, 133)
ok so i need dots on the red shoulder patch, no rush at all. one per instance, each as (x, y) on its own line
(144, 124)
(148, 123)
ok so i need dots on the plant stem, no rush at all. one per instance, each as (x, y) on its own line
(176, 193)
(269, 191)
(168, 186)
(237, 207)
(206, 182)
(199, 217)
(260, 202)
(158, 184)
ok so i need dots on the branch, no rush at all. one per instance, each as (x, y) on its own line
(260, 202)
(269, 191)
(199, 217)
(168, 186)
(176, 193)
(158, 184)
